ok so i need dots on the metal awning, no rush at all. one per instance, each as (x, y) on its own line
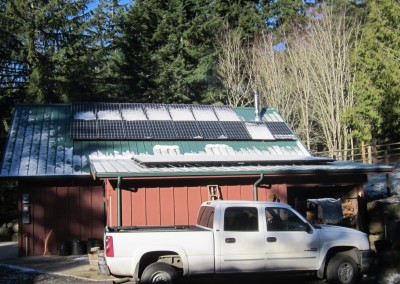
(114, 168)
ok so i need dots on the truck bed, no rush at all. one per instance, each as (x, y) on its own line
(138, 229)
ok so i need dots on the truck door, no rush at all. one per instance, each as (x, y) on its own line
(291, 243)
(241, 240)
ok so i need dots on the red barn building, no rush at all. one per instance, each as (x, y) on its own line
(83, 166)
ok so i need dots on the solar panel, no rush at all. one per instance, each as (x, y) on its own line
(84, 111)
(162, 129)
(280, 130)
(137, 129)
(131, 112)
(108, 111)
(187, 130)
(204, 113)
(84, 129)
(181, 112)
(211, 130)
(157, 112)
(226, 113)
(110, 129)
(258, 130)
(235, 130)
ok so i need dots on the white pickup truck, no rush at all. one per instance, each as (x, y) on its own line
(238, 237)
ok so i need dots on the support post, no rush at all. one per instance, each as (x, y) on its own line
(255, 187)
(119, 205)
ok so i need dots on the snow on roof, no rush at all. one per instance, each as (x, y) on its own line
(226, 114)
(133, 114)
(204, 114)
(109, 115)
(179, 113)
(157, 112)
(85, 115)
(259, 131)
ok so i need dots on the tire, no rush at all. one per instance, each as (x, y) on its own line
(342, 269)
(159, 272)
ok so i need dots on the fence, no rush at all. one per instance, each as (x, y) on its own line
(368, 153)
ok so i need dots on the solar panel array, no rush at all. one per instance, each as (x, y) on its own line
(113, 121)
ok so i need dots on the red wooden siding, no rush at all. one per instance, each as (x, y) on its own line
(177, 202)
(61, 212)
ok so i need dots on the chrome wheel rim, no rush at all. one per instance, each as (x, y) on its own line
(161, 277)
(345, 273)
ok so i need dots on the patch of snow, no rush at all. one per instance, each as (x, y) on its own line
(376, 186)
(133, 114)
(181, 113)
(155, 112)
(109, 115)
(204, 114)
(392, 278)
(85, 115)
(226, 114)
(166, 150)
(259, 131)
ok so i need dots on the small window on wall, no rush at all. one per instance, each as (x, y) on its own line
(241, 219)
(282, 219)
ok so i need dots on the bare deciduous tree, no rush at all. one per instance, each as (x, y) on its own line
(270, 76)
(324, 53)
(234, 68)
(308, 81)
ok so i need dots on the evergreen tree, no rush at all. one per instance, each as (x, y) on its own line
(170, 51)
(46, 40)
(106, 56)
(377, 84)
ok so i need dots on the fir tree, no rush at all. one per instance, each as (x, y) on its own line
(377, 85)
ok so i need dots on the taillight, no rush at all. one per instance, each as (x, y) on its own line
(109, 246)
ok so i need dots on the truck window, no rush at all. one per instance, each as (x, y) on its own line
(282, 219)
(206, 217)
(241, 219)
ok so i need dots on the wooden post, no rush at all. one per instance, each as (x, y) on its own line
(369, 154)
(374, 152)
(388, 189)
(364, 158)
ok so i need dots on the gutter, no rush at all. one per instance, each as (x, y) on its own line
(255, 189)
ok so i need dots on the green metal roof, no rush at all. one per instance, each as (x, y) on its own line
(40, 145)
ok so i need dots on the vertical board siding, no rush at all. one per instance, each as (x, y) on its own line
(153, 206)
(181, 205)
(194, 199)
(138, 207)
(167, 206)
(63, 213)
(177, 202)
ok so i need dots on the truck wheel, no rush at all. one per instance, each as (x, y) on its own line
(342, 269)
(159, 272)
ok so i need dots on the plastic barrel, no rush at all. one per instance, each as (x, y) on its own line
(77, 247)
(64, 248)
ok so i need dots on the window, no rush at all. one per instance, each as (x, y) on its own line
(241, 219)
(282, 219)
(206, 217)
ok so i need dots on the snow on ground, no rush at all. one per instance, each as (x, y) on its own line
(376, 187)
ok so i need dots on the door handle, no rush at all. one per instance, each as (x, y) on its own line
(271, 239)
(230, 240)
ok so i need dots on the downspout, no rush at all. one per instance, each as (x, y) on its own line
(119, 208)
(255, 189)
